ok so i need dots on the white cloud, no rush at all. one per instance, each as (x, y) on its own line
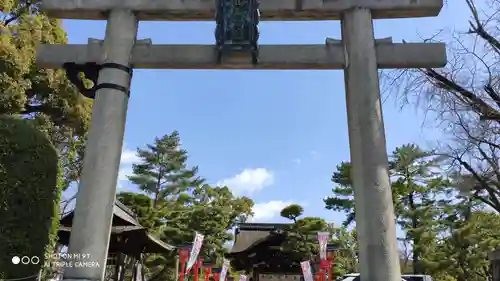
(124, 172)
(249, 180)
(129, 157)
(119, 186)
(268, 210)
(297, 161)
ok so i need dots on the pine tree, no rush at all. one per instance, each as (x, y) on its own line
(417, 192)
(163, 173)
(417, 187)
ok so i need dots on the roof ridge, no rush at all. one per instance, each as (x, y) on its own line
(126, 209)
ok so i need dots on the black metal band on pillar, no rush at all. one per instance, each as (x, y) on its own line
(113, 86)
(117, 66)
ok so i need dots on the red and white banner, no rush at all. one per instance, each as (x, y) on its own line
(223, 272)
(195, 251)
(323, 242)
(306, 270)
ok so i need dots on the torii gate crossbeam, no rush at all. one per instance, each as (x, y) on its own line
(284, 57)
(278, 10)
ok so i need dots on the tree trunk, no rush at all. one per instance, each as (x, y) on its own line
(494, 258)
(414, 225)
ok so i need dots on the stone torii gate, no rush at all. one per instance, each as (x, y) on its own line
(359, 54)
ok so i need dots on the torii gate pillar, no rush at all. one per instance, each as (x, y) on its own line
(97, 190)
(375, 220)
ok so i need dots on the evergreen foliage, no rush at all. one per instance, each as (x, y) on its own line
(29, 196)
(163, 172)
(178, 203)
(442, 229)
(44, 96)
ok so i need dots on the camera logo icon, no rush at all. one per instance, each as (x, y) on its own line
(25, 260)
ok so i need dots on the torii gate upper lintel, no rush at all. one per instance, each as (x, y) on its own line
(275, 10)
(359, 54)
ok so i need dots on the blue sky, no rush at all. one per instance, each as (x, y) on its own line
(275, 136)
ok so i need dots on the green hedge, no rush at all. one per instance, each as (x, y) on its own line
(29, 196)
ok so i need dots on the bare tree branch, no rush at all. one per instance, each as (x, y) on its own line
(465, 97)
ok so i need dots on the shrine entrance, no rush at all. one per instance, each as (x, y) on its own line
(258, 248)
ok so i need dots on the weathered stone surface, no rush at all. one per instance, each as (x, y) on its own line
(331, 56)
(190, 10)
(494, 258)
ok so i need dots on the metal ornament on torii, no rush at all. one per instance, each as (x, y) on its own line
(359, 54)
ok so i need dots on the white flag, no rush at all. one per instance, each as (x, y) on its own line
(195, 251)
(306, 270)
(323, 242)
(223, 272)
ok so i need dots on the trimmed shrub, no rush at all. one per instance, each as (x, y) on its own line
(29, 196)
